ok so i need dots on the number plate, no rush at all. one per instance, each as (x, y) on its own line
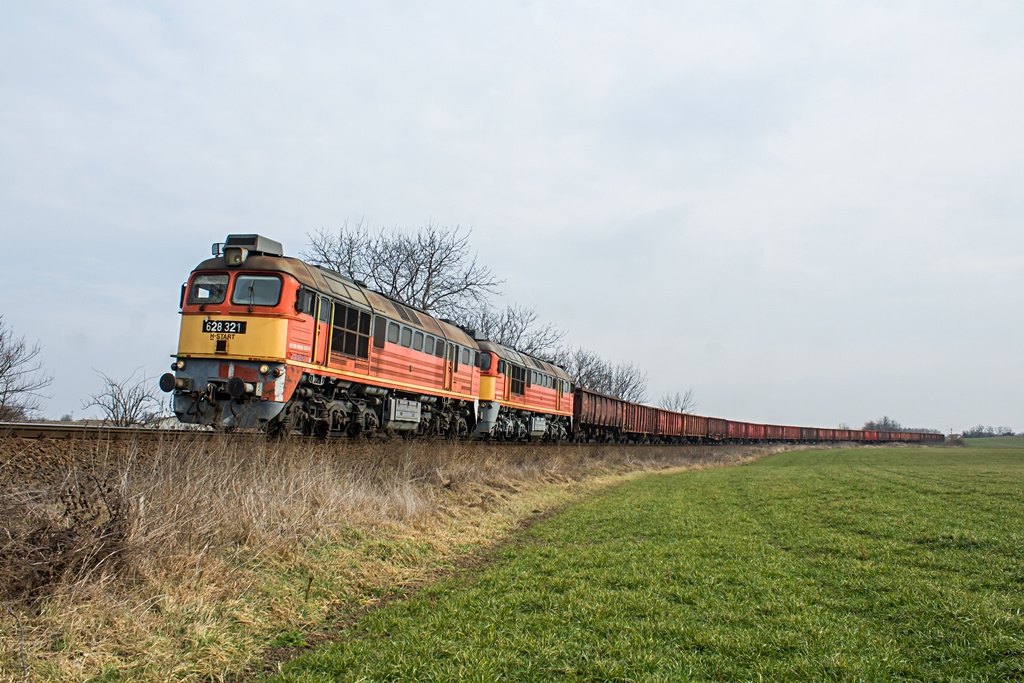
(224, 326)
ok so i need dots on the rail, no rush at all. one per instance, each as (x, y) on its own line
(71, 430)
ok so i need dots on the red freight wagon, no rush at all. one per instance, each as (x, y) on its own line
(596, 410)
(810, 434)
(792, 433)
(670, 424)
(755, 432)
(695, 426)
(735, 430)
(639, 419)
(717, 428)
(774, 432)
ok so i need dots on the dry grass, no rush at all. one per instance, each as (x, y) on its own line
(185, 560)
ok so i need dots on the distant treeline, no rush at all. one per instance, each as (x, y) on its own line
(887, 424)
(986, 430)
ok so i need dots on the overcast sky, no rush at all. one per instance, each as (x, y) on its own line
(808, 212)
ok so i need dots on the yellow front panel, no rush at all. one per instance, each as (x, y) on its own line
(487, 388)
(263, 338)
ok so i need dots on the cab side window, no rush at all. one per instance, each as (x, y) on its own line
(350, 333)
(519, 376)
(380, 326)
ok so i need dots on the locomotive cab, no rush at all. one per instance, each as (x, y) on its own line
(238, 311)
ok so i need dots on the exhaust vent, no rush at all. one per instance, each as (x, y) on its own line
(256, 244)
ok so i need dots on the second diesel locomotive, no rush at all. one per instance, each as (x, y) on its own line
(273, 343)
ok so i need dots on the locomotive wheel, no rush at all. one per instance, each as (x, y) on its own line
(282, 427)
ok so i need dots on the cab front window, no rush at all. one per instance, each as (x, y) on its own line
(257, 290)
(208, 289)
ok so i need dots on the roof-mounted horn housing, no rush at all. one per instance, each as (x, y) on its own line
(238, 247)
(475, 335)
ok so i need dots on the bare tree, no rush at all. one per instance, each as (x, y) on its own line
(127, 402)
(584, 367)
(589, 370)
(345, 252)
(21, 376)
(517, 326)
(629, 382)
(883, 424)
(678, 403)
(432, 268)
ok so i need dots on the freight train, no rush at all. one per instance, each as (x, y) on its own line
(273, 343)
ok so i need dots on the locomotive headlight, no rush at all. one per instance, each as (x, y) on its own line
(234, 256)
(180, 365)
(264, 369)
(278, 372)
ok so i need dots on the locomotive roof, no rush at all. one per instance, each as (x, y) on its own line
(337, 285)
(519, 358)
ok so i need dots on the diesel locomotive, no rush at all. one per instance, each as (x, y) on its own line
(272, 343)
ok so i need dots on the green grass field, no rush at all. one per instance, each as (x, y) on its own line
(861, 564)
(990, 442)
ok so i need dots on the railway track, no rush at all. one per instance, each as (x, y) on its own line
(58, 431)
(63, 430)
